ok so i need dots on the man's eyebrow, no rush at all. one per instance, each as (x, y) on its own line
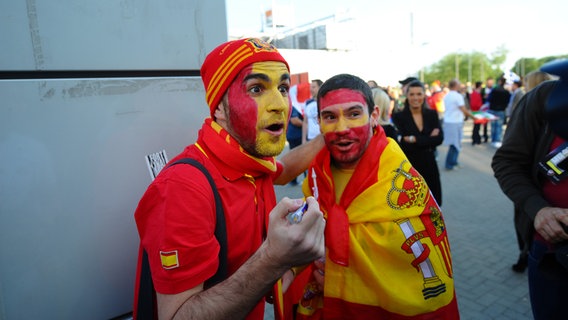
(265, 77)
(260, 76)
(357, 106)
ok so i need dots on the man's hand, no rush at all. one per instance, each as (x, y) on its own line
(548, 223)
(319, 273)
(295, 244)
(287, 280)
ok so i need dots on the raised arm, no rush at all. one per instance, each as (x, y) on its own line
(298, 159)
(287, 245)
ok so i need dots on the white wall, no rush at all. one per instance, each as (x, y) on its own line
(72, 165)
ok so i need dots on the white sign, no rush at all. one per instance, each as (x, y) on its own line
(156, 161)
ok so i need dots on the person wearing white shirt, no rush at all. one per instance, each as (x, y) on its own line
(311, 128)
(454, 116)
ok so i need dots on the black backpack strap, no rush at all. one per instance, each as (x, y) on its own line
(146, 299)
(220, 227)
(146, 306)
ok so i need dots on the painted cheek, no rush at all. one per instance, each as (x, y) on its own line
(359, 122)
(243, 112)
(327, 128)
(272, 106)
(363, 132)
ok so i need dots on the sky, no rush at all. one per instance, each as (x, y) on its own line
(526, 28)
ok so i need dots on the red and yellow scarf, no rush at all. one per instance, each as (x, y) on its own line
(226, 153)
(233, 157)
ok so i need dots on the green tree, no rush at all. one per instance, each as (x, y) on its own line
(477, 66)
(467, 67)
(526, 65)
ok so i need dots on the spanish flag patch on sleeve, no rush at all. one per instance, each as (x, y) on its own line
(169, 259)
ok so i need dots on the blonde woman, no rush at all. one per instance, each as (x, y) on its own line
(534, 78)
(383, 101)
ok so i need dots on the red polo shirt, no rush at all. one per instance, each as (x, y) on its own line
(176, 222)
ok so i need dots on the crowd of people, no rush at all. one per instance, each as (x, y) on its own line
(216, 243)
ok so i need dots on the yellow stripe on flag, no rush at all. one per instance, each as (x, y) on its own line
(278, 301)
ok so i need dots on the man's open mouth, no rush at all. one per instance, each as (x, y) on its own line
(275, 128)
(344, 144)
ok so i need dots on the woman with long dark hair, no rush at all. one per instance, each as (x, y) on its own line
(420, 131)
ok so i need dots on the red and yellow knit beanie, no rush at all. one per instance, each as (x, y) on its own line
(223, 64)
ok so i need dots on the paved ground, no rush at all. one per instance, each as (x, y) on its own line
(479, 219)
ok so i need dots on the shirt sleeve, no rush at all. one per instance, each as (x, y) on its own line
(176, 222)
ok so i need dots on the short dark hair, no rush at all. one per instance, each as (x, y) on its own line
(416, 83)
(347, 81)
(407, 80)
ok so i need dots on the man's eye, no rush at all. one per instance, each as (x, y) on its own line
(284, 89)
(255, 89)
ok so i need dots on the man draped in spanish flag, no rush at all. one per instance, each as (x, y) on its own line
(387, 250)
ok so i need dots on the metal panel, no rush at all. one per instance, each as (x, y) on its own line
(72, 171)
(108, 34)
(72, 165)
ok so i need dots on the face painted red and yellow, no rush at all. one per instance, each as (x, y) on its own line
(345, 123)
(258, 107)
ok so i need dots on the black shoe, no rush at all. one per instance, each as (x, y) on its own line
(521, 264)
(294, 183)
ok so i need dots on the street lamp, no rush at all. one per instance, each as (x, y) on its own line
(469, 68)
(422, 68)
(457, 67)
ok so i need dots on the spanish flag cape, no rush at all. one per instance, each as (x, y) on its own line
(387, 251)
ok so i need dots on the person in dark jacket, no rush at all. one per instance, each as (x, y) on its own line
(543, 204)
(498, 102)
(420, 131)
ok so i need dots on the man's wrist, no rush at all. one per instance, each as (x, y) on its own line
(269, 261)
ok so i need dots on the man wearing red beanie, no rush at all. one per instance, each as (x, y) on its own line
(246, 85)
